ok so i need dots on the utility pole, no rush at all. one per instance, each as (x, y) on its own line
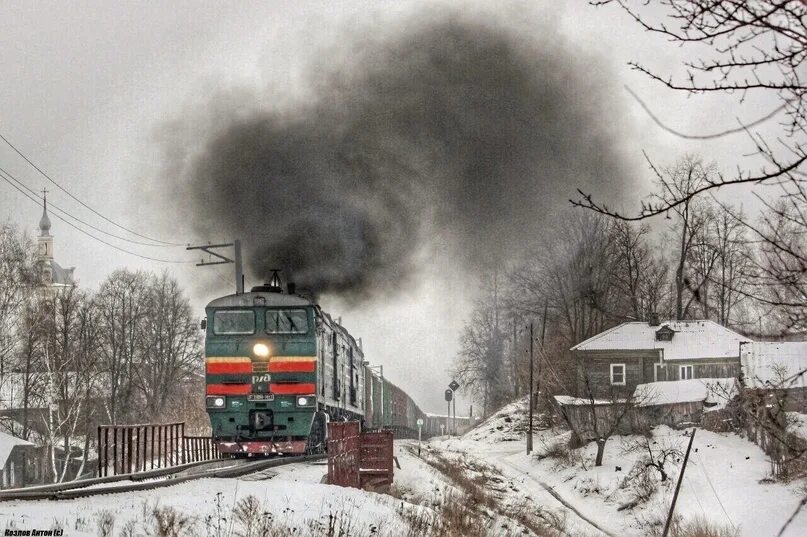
(223, 260)
(532, 398)
(678, 485)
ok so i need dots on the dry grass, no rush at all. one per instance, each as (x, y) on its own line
(479, 505)
(653, 526)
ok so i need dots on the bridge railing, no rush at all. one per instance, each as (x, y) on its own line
(125, 449)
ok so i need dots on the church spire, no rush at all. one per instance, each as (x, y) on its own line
(44, 222)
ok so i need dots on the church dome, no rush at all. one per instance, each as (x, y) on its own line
(44, 222)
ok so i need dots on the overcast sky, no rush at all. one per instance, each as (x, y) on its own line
(88, 88)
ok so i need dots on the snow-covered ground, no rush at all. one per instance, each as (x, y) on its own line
(727, 480)
(293, 497)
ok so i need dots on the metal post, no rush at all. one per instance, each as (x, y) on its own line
(454, 404)
(420, 427)
(448, 415)
(239, 272)
(678, 485)
(532, 397)
(100, 456)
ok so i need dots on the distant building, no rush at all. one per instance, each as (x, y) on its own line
(18, 458)
(777, 369)
(634, 353)
(54, 276)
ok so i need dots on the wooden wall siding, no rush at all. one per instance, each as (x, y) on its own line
(580, 418)
(598, 371)
(713, 369)
(639, 366)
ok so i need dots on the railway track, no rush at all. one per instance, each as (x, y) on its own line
(152, 479)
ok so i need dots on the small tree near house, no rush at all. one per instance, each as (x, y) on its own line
(600, 418)
(655, 453)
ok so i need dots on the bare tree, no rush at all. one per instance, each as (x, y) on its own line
(640, 276)
(170, 350)
(655, 453)
(480, 363)
(123, 307)
(17, 281)
(571, 272)
(71, 368)
(753, 47)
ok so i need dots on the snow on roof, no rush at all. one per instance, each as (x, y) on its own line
(7, 443)
(568, 400)
(692, 340)
(796, 424)
(780, 364)
(718, 391)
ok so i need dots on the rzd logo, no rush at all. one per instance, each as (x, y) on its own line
(257, 379)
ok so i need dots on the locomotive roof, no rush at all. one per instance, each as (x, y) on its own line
(248, 300)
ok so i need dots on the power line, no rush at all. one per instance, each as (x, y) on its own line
(60, 187)
(33, 199)
(703, 469)
(54, 206)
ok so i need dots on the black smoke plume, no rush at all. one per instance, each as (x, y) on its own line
(451, 130)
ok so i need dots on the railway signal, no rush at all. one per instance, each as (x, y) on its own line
(449, 395)
(453, 385)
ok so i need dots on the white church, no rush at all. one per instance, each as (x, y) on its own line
(53, 274)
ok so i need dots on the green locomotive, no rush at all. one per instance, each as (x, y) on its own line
(277, 369)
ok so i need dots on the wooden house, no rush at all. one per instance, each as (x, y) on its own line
(614, 362)
(776, 371)
(16, 458)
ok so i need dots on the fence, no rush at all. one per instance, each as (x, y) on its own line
(357, 459)
(375, 459)
(343, 453)
(124, 449)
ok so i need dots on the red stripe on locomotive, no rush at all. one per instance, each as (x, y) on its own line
(292, 367)
(298, 388)
(229, 389)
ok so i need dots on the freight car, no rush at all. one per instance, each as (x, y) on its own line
(278, 368)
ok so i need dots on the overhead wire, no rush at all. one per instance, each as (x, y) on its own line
(63, 189)
(77, 219)
(33, 199)
(708, 480)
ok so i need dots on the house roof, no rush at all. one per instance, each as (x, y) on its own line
(718, 391)
(692, 340)
(774, 364)
(7, 444)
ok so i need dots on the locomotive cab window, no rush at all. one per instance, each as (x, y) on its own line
(294, 321)
(232, 322)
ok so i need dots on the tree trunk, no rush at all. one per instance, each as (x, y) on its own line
(600, 451)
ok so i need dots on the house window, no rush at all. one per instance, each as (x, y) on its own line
(618, 374)
(685, 372)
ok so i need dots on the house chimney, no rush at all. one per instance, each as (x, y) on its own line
(291, 287)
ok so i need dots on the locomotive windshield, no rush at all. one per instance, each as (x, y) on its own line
(287, 321)
(231, 322)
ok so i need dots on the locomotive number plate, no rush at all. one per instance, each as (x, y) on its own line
(261, 397)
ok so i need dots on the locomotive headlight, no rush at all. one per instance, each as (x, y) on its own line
(216, 401)
(306, 401)
(261, 350)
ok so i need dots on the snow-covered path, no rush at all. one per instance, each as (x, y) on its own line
(727, 482)
(514, 467)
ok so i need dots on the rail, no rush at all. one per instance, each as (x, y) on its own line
(222, 468)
